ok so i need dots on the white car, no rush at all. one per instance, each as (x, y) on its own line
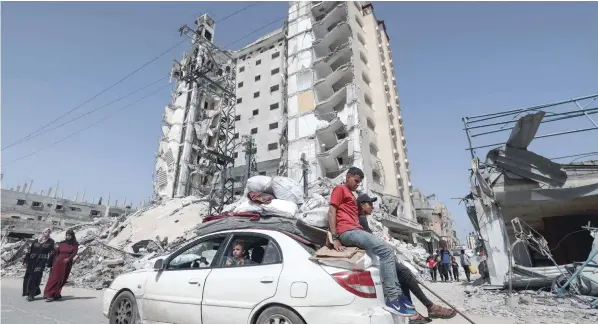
(194, 286)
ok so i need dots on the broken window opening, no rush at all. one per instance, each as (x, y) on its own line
(262, 173)
(339, 160)
(274, 126)
(274, 106)
(254, 130)
(359, 21)
(272, 146)
(239, 100)
(256, 112)
(258, 77)
(59, 207)
(207, 35)
(240, 85)
(371, 124)
(367, 100)
(20, 202)
(236, 136)
(95, 213)
(75, 209)
(275, 71)
(361, 39)
(376, 177)
(366, 79)
(373, 150)
(256, 94)
(36, 204)
(241, 69)
(274, 88)
(275, 55)
(258, 62)
(238, 117)
(15, 217)
(235, 155)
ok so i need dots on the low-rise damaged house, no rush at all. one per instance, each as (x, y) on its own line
(534, 205)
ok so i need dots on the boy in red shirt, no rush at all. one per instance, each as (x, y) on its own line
(344, 225)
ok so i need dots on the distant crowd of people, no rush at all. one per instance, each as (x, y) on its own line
(45, 254)
(442, 262)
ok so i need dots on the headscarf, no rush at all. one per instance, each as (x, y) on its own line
(43, 238)
(73, 239)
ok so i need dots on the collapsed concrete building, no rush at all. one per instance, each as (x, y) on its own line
(26, 213)
(518, 197)
(317, 96)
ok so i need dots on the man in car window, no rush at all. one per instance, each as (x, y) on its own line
(345, 229)
(406, 278)
(238, 258)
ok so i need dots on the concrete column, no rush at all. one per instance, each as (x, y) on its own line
(116, 203)
(76, 196)
(108, 200)
(83, 196)
(496, 242)
(50, 192)
(56, 190)
(25, 187)
(41, 193)
(18, 188)
(30, 185)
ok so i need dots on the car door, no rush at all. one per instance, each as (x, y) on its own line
(231, 292)
(175, 293)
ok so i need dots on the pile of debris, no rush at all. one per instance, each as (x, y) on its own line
(111, 246)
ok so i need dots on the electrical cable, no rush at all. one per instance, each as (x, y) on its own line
(88, 126)
(35, 133)
(88, 113)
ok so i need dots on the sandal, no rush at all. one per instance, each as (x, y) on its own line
(419, 319)
(436, 311)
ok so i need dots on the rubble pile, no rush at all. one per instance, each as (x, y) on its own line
(541, 306)
(111, 246)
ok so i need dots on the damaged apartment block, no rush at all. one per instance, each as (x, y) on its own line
(529, 206)
(198, 136)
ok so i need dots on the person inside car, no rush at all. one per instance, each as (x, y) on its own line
(238, 258)
(406, 278)
(345, 229)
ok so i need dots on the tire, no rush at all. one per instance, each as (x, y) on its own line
(124, 309)
(278, 315)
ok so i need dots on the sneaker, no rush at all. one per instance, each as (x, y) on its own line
(406, 302)
(398, 308)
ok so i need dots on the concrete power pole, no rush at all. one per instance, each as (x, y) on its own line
(250, 161)
(305, 171)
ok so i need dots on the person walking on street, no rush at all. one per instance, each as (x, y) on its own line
(39, 256)
(432, 266)
(346, 231)
(61, 268)
(455, 267)
(465, 263)
(407, 280)
(445, 261)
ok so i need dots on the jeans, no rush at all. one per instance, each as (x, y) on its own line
(371, 243)
(409, 284)
(444, 271)
(434, 273)
(467, 272)
(455, 272)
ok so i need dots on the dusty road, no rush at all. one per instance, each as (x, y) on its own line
(78, 306)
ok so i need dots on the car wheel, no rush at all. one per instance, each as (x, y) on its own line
(278, 315)
(124, 309)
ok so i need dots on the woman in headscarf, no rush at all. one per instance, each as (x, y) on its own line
(63, 263)
(39, 256)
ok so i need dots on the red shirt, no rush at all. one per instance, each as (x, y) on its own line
(346, 209)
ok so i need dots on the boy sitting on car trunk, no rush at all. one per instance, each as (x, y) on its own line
(345, 229)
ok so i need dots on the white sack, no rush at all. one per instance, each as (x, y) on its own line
(317, 217)
(259, 183)
(279, 207)
(366, 261)
(313, 202)
(287, 189)
(249, 206)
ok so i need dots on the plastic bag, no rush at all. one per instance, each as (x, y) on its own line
(313, 202)
(259, 183)
(279, 207)
(286, 189)
(317, 217)
(249, 206)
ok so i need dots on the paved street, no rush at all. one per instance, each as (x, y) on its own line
(78, 306)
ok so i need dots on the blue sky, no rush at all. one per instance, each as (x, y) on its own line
(451, 59)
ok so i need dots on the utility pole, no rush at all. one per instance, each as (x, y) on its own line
(250, 160)
(211, 71)
(305, 171)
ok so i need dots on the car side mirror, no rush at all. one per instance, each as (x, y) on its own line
(159, 264)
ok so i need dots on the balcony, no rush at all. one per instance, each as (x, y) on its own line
(329, 20)
(335, 82)
(328, 108)
(321, 8)
(337, 37)
(332, 134)
(326, 65)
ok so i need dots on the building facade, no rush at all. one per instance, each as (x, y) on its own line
(318, 94)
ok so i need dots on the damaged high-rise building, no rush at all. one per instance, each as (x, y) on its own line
(317, 94)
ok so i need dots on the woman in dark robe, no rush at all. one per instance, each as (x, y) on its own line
(39, 256)
(63, 263)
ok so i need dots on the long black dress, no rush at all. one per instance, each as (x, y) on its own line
(39, 256)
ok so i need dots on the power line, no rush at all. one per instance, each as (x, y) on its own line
(35, 133)
(85, 114)
(88, 126)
